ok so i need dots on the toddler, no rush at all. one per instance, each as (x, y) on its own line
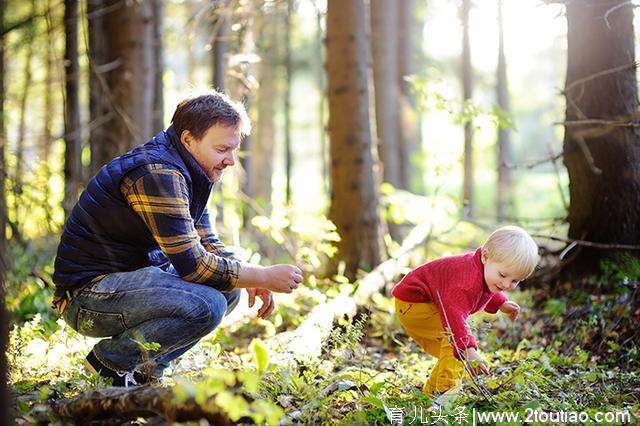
(441, 294)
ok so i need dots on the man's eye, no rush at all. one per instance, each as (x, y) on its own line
(502, 275)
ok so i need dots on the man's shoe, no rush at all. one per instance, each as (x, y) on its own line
(93, 365)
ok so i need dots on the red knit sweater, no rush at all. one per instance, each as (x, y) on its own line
(459, 282)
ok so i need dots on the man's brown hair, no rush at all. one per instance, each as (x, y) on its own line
(199, 113)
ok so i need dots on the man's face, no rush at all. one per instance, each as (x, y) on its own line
(215, 151)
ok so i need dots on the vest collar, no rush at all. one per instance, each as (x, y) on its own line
(198, 176)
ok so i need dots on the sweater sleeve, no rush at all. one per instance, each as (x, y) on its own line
(454, 322)
(495, 302)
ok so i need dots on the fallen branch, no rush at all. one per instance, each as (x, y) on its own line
(304, 344)
(109, 403)
(388, 270)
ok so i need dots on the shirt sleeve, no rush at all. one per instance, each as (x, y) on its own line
(161, 198)
(454, 322)
(495, 302)
(210, 240)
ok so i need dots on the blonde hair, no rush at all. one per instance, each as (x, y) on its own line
(514, 247)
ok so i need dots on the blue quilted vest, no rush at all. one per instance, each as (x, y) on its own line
(103, 234)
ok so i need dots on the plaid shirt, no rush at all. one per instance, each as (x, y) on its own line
(161, 199)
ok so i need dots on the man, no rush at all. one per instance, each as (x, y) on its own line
(138, 261)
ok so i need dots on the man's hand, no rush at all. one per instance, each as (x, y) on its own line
(268, 305)
(510, 308)
(282, 278)
(277, 278)
(477, 363)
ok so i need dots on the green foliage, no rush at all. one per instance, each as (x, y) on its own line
(227, 389)
(431, 96)
(260, 355)
(623, 271)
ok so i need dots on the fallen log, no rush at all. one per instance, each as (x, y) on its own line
(304, 344)
(388, 270)
(127, 403)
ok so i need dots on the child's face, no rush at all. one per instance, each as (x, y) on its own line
(498, 276)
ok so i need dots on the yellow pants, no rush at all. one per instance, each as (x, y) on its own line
(422, 323)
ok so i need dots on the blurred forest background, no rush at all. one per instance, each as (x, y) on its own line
(385, 134)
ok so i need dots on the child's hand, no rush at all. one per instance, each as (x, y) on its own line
(510, 308)
(477, 363)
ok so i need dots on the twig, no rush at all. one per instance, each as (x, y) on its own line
(465, 362)
(588, 243)
(599, 74)
(613, 9)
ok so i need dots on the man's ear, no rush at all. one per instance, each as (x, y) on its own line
(186, 138)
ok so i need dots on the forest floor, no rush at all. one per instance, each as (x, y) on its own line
(573, 352)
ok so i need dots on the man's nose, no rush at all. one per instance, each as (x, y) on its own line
(230, 160)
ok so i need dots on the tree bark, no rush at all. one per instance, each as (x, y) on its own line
(384, 35)
(263, 146)
(219, 50)
(467, 89)
(101, 112)
(4, 318)
(603, 160)
(504, 193)
(73, 141)
(287, 103)
(354, 196)
(158, 66)
(409, 136)
(22, 122)
(131, 403)
(129, 51)
(322, 88)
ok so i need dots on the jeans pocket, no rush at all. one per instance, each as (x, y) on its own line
(99, 324)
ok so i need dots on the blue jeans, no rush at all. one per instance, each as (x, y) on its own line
(150, 316)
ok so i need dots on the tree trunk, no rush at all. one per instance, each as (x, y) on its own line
(158, 66)
(467, 88)
(219, 50)
(243, 88)
(101, 112)
(130, 81)
(73, 141)
(322, 88)
(5, 403)
(354, 196)
(22, 122)
(603, 160)
(504, 194)
(3, 165)
(384, 35)
(5, 399)
(409, 138)
(287, 102)
(262, 148)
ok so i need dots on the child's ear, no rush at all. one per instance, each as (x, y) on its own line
(484, 256)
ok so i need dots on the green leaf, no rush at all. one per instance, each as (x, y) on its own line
(260, 355)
